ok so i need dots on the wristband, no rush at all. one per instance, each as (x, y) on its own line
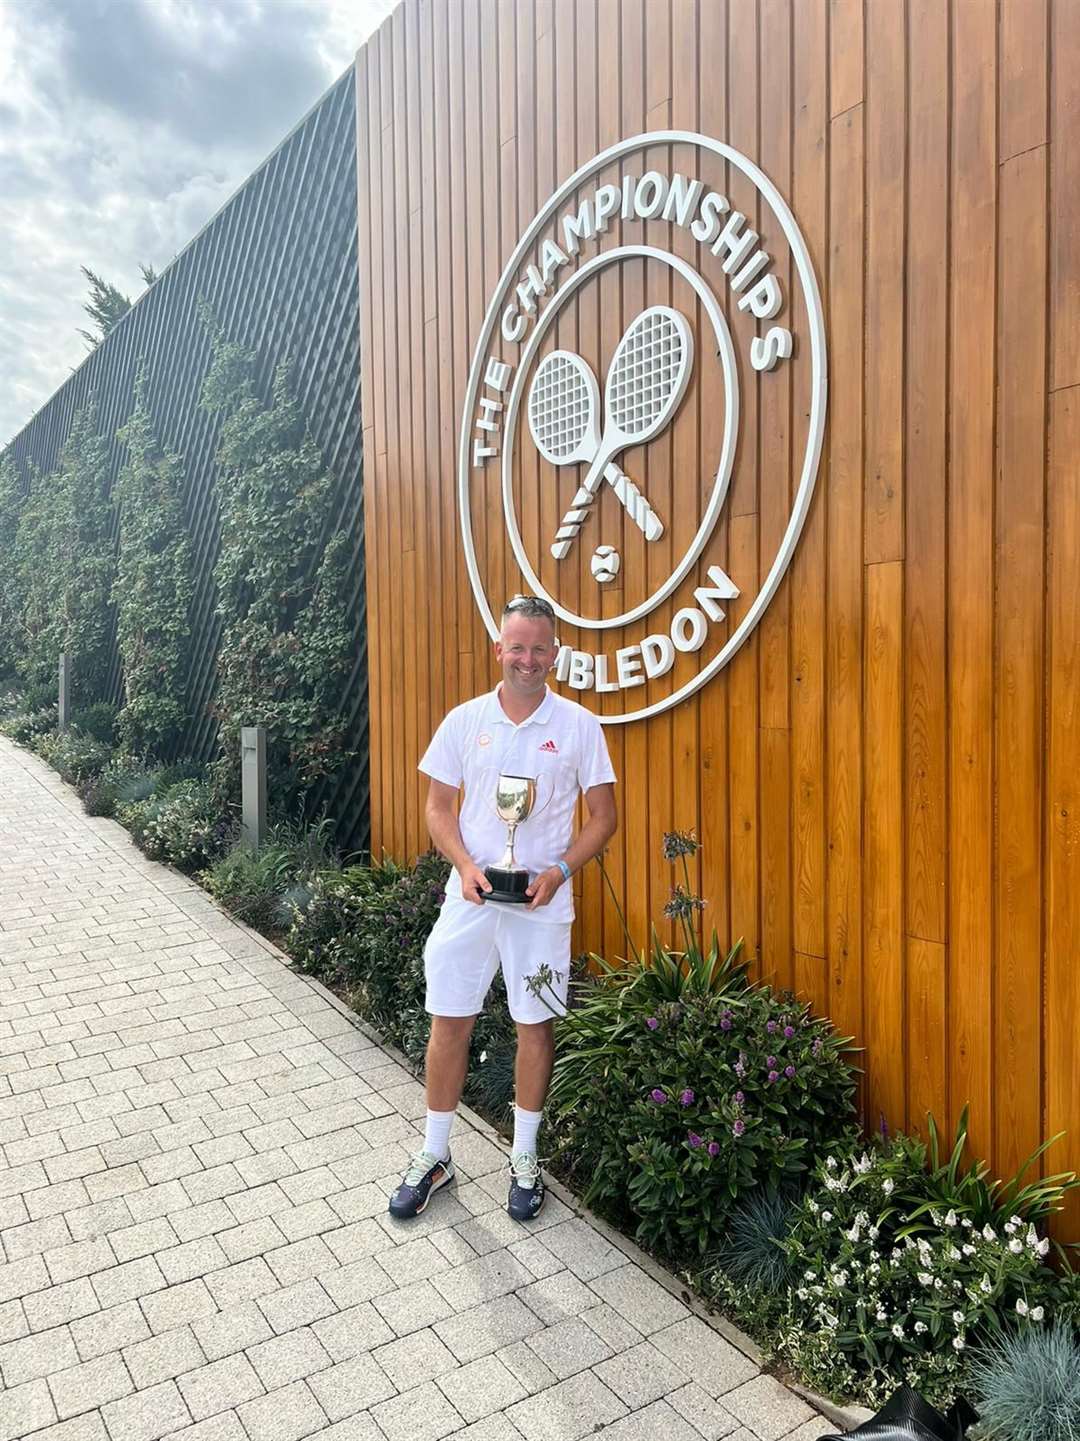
(564, 868)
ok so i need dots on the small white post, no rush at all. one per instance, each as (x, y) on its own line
(253, 786)
(64, 707)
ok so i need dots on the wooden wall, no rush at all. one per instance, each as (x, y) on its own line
(886, 778)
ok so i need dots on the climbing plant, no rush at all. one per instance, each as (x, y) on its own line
(11, 604)
(152, 592)
(65, 562)
(280, 586)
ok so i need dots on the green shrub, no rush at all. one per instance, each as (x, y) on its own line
(73, 755)
(122, 781)
(24, 726)
(881, 1299)
(260, 887)
(97, 720)
(753, 1252)
(670, 1112)
(1026, 1386)
(183, 825)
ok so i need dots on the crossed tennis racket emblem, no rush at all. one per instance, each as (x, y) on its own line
(646, 380)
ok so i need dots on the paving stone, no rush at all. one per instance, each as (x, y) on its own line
(219, 1386)
(421, 1414)
(630, 1291)
(415, 1260)
(359, 1281)
(89, 1386)
(81, 1428)
(568, 1411)
(812, 1430)
(526, 1367)
(147, 1415)
(301, 1259)
(60, 1304)
(145, 1239)
(708, 1418)
(283, 1415)
(191, 1259)
(34, 1237)
(414, 1359)
(411, 1307)
(558, 1297)
(225, 1427)
(657, 1422)
(354, 1241)
(704, 1356)
(531, 1252)
(289, 1357)
(484, 1329)
(350, 1386)
(480, 1388)
(24, 1409)
(767, 1408)
(178, 1306)
(492, 1428)
(615, 1329)
(240, 1282)
(20, 1278)
(568, 1347)
(255, 1238)
(233, 1330)
(32, 1357)
(582, 1249)
(352, 1332)
(481, 1280)
(295, 1306)
(641, 1375)
(164, 1357)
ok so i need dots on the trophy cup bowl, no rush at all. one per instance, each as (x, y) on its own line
(515, 797)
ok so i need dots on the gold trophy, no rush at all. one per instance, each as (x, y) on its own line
(515, 801)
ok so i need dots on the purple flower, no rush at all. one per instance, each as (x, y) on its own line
(884, 1127)
(658, 1096)
(652, 1023)
(773, 1076)
(725, 1021)
(687, 1098)
(770, 1026)
(816, 1047)
(693, 1140)
(713, 1148)
(740, 1065)
(770, 1061)
(789, 1072)
(739, 1098)
(789, 1031)
(738, 1128)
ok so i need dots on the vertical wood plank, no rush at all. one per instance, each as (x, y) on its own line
(1064, 188)
(846, 55)
(926, 1041)
(1023, 80)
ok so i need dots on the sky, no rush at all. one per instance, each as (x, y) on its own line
(124, 126)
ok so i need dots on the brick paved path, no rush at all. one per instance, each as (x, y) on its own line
(196, 1151)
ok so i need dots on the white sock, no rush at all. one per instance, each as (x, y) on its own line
(437, 1134)
(526, 1125)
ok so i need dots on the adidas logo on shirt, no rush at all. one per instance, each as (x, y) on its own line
(550, 746)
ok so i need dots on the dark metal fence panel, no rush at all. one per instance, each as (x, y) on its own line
(278, 265)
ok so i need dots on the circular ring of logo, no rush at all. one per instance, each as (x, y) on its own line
(815, 431)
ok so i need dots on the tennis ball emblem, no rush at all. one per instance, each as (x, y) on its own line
(605, 563)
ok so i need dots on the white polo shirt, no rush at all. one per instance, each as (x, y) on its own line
(561, 745)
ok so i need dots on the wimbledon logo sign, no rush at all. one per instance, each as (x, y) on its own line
(524, 396)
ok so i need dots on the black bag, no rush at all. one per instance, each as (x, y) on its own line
(907, 1417)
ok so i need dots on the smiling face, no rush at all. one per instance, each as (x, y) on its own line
(526, 650)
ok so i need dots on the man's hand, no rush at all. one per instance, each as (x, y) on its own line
(474, 884)
(544, 887)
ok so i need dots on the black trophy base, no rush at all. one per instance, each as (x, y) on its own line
(507, 887)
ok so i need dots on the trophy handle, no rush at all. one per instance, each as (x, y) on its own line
(550, 784)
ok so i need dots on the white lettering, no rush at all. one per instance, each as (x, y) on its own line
(734, 241)
(579, 227)
(648, 205)
(627, 666)
(581, 670)
(482, 453)
(514, 325)
(682, 198)
(552, 257)
(707, 226)
(498, 373)
(689, 629)
(607, 203)
(562, 664)
(722, 588)
(627, 196)
(490, 408)
(765, 299)
(658, 655)
(765, 352)
(756, 263)
(530, 288)
(602, 682)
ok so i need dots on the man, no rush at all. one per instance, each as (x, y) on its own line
(521, 728)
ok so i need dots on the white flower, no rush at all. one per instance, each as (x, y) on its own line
(920, 1327)
(969, 1250)
(862, 1218)
(966, 1221)
(809, 1275)
(830, 1161)
(881, 1316)
(826, 1215)
(950, 1219)
(898, 1332)
(925, 1278)
(802, 1293)
(1037, 1313)
(861, 1165)
(874, 1232)
(958, 1343)
(853, 1234)
(1043, 1246)
(1010, 1226)
(953, 1254)
(1021, 1308)
(988, 1233)
(958, 1317)
(814, 1207)
(984, 1285)
(1016, 1246)
(888, 1186)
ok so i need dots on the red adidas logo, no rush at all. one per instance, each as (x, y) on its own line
(550, 746)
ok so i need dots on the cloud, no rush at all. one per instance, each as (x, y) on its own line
(124, 125)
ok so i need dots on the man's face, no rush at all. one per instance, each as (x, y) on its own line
(526, 650)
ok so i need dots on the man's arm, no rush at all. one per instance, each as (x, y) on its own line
(590, 841)
(442, 823)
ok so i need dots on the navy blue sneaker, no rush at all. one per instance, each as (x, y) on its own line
(425, 1175)
(526, 1187)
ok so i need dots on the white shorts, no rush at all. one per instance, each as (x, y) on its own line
(466, 946)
